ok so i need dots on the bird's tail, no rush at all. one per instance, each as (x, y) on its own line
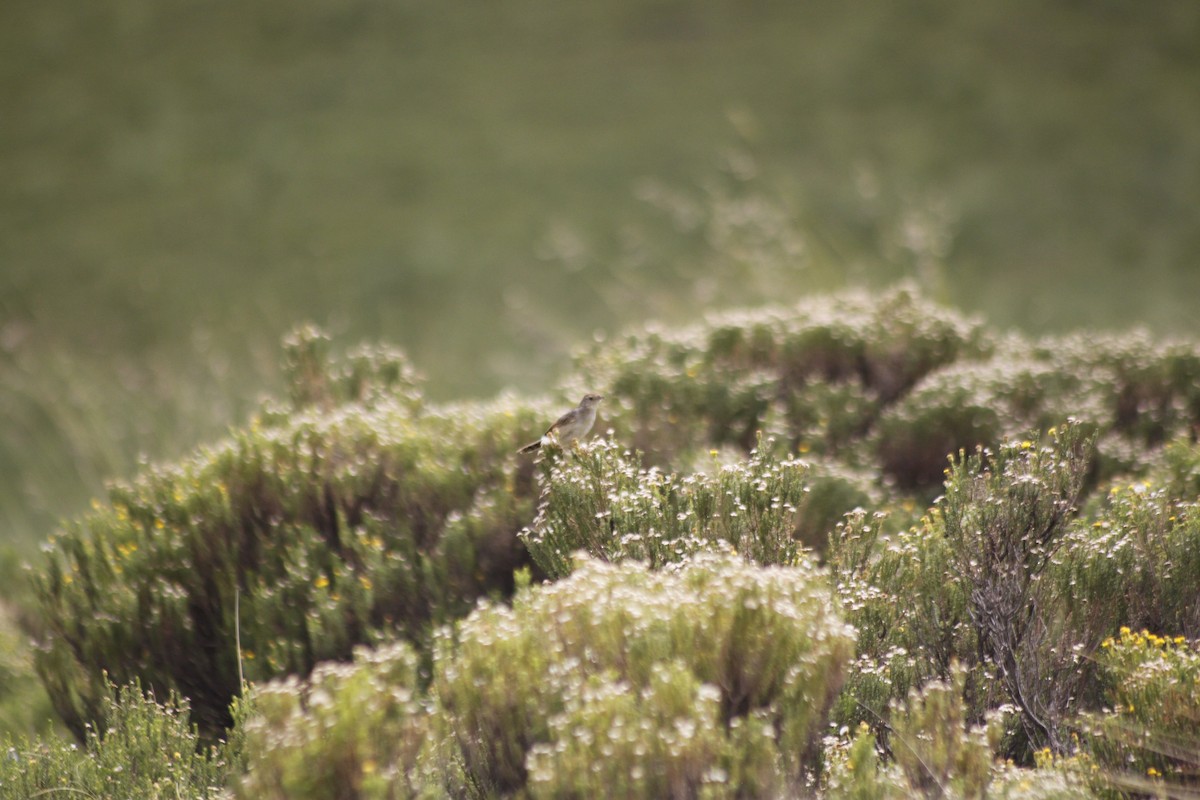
(529, 448)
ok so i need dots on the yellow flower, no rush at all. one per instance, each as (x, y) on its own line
(321, 582)
(1025, 445)
(1153, 773)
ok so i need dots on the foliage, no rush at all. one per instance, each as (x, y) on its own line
(598, 500)
(609, 659)
(367, 375)
(937, 753)
(1148, 739)
(357, 730)
(816, 375)
(324, 530)
(1005, 513)
(968, 584)
(363, 515)
(24, 706)
(1136, 562)
(667, 739)
(709, 679)
(143, 749)
(900, 592)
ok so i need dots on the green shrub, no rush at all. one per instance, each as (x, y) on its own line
(598, 500)
(366, 375)
(822, 370)
(667, 739)
(1136, 393)
(533, 692)
(1147, 741)
(360, 513)
(24, 706)
(328, 529)
(141, 749)
(902, 595)
(978, 404)
(938, 753)
(936, 748)
(358, 730)
(1005, 513)
(1137, 562)
(973, 583)
(1149, 389)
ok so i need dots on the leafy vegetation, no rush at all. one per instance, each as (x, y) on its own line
(421, 612)
(141, 748)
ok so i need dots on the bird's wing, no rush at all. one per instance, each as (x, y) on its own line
(563, 420)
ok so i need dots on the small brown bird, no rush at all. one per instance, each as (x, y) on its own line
(571, 425)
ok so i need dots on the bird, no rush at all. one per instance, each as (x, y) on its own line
(571, 425)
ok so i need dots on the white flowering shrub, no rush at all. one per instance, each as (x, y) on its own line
(816, 374)
(358, 730)
(667, 739)
(599, 500)
(713, 676)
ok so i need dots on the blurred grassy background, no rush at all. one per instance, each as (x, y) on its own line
(487, 184)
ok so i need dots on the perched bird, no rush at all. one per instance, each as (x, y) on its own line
(571, 425)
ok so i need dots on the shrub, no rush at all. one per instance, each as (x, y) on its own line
(823, 369)
(24, 706)
(1148, 739)
(666, 740)
(1136, 393)
(901, 593)
(1149, 389)
(141, 749)
(938, 752)
(358, 730)
(1005, 513)
(1136, 563)
(598, 500)
(973, 582)
(977, 404)
(710, 655)
(366, 376)
(328, 529)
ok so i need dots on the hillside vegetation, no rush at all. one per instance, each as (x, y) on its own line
(858, 547)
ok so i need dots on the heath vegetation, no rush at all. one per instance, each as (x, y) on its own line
(859, 547)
